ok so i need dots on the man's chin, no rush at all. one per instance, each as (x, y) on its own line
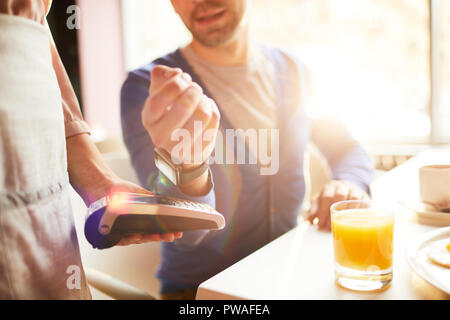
(212, 43)
(214, 39)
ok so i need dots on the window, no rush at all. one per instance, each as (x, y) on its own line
(151, 29)
(370, 59)
(442, 113)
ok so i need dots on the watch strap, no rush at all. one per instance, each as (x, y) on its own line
(178, 175)
(186, 176)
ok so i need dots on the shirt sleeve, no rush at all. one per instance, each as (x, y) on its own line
(140, 147)
(355, 166)
(346, 157)
(73, 119)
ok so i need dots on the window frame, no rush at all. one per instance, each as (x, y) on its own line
(436, 133)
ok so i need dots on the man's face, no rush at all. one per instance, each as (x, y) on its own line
(211, 22)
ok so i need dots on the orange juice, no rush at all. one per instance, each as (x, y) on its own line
(363, 239)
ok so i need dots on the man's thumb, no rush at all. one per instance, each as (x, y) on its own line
(162, 73)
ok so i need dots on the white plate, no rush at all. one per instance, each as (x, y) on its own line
(417, 257)
(427, 214)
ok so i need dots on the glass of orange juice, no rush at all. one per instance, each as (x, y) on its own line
(363, 234)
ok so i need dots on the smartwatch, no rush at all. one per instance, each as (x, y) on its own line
(176, 173)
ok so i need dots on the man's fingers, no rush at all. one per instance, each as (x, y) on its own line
(161, 101)
(328, 225)
(187, 76)
(182, 109)
(173, 110)
(358, 194)
(203, 115)
(160, 74)
(210, 134)
(323, 214)
(207, 140)
(197, 125)
(333, 192)
(342, 192)
(312, 214)
(325, 201)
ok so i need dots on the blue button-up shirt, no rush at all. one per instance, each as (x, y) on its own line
(257, 208)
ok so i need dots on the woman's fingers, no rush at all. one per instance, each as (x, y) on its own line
(145, 238)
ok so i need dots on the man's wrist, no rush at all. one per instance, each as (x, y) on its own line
(191, 166)
(190, 178)
(199, 186)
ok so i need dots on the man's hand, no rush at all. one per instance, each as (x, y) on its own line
(333, 191)
(176, 103)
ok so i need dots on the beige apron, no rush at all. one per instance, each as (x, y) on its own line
(39, 253)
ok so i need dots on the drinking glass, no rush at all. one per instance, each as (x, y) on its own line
(363, 234)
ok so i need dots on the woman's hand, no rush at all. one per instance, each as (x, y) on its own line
(120, 185)
(93, 179)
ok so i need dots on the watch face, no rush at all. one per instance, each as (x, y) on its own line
(166, 169)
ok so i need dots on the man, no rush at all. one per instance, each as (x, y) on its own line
(256, 88)
(38, 112)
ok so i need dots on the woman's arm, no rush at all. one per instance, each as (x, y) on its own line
(89, 175)
(73, 119)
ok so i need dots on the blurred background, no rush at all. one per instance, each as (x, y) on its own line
(381, 66)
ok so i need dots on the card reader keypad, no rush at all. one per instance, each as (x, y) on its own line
(187, 204)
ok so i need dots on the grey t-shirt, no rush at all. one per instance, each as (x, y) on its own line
(244, 93)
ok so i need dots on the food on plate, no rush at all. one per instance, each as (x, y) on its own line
(439, 253)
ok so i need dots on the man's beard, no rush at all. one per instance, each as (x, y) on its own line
(220, 37)
(216, 36)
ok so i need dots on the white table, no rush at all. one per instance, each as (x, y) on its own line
(299, 264)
